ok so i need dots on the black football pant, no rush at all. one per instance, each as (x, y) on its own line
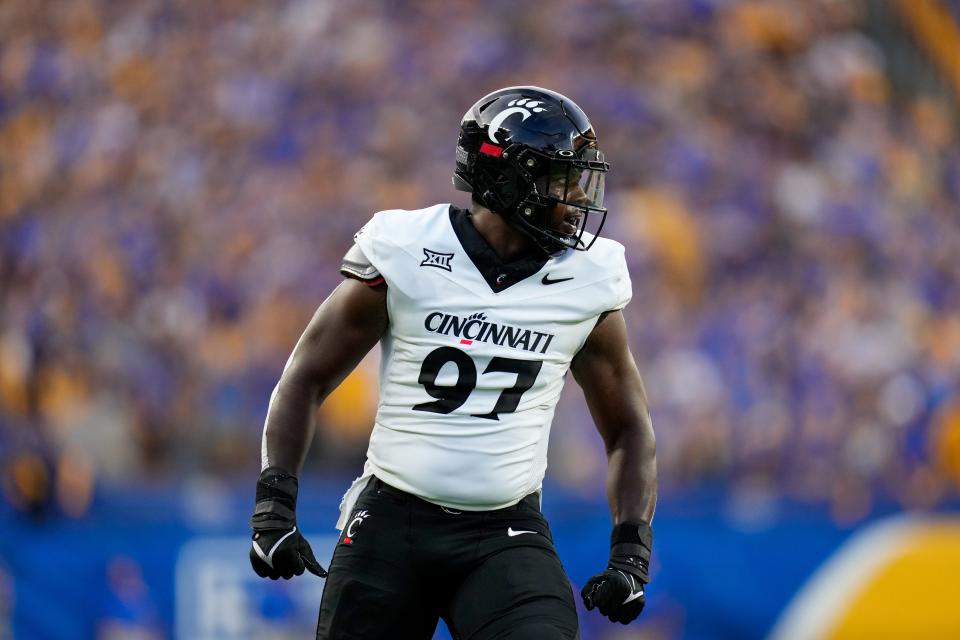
(403, 563)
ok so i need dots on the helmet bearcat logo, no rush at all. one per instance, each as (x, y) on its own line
(524, 107)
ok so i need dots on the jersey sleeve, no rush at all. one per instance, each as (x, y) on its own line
(621, 289)
(363, 260)
(356, 265)
(368, 237)
(385, 242)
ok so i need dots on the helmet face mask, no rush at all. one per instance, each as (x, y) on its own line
(530, 155)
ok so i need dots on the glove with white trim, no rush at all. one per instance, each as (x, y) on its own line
(278, 549)
(618, 592)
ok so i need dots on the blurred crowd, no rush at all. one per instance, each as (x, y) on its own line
(179, 180)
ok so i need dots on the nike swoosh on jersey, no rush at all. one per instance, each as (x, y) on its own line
(513, 532)
(546, 279)
(268, 557)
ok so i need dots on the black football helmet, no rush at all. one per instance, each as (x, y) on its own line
(525, 150)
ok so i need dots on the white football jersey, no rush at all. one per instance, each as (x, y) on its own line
(475, 355)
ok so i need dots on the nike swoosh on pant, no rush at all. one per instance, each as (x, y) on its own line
(513, 532)
(268, 558)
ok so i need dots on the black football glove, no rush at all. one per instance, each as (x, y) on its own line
(618, 592)
(278, 549)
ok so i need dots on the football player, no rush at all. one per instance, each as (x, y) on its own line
(479, 313)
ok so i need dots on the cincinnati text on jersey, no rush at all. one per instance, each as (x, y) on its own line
(476, 327)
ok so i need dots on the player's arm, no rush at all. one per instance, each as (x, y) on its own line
(606, 371)
(345, 327)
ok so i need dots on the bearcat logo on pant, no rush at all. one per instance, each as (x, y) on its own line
(350, 531)
(477, 328)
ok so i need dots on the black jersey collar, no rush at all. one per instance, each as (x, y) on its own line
(498, 274)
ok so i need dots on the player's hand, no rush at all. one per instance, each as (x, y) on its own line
(279, 553)
(619, 592)
(278, 549)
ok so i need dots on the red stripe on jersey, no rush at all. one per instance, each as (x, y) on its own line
(490, 150)
(467, 342)
(374, 282)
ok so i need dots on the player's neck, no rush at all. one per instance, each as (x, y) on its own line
(508, 243)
